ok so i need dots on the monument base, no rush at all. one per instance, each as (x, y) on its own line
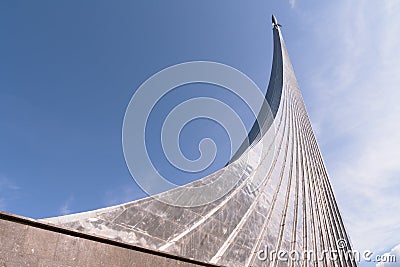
(27, 242)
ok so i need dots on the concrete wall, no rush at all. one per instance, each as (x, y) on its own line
(26, 242)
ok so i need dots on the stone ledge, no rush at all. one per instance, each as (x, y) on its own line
(27, 242)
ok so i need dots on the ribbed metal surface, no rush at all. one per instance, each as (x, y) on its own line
(293, 209)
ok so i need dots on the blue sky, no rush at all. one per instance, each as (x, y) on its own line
(68, 70)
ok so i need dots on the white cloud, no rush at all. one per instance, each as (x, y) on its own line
(122, 194)
(2, 204)
(66, 207)
(7, 184)
(354, 95)
(8, 191)
(292, 3)
(391, 258)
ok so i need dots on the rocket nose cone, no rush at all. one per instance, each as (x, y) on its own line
(274, 21)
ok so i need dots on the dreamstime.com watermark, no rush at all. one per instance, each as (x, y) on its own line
(342, 253)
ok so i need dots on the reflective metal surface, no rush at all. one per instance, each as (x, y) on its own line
(284, 205)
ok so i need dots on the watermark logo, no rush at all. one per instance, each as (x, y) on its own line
(143, 102)
(341, 243)
(342, 252)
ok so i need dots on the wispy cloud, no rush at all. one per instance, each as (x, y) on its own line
(354, 95)
(7, 191)
(292, 3)
(66, 207)
(122, 194)
(391, 262)
(7, 184)
(2, 204)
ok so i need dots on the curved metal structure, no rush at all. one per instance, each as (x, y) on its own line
(292, 209)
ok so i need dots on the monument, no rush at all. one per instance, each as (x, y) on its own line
(286, 205)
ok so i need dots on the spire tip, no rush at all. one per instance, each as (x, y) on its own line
(275, 22)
